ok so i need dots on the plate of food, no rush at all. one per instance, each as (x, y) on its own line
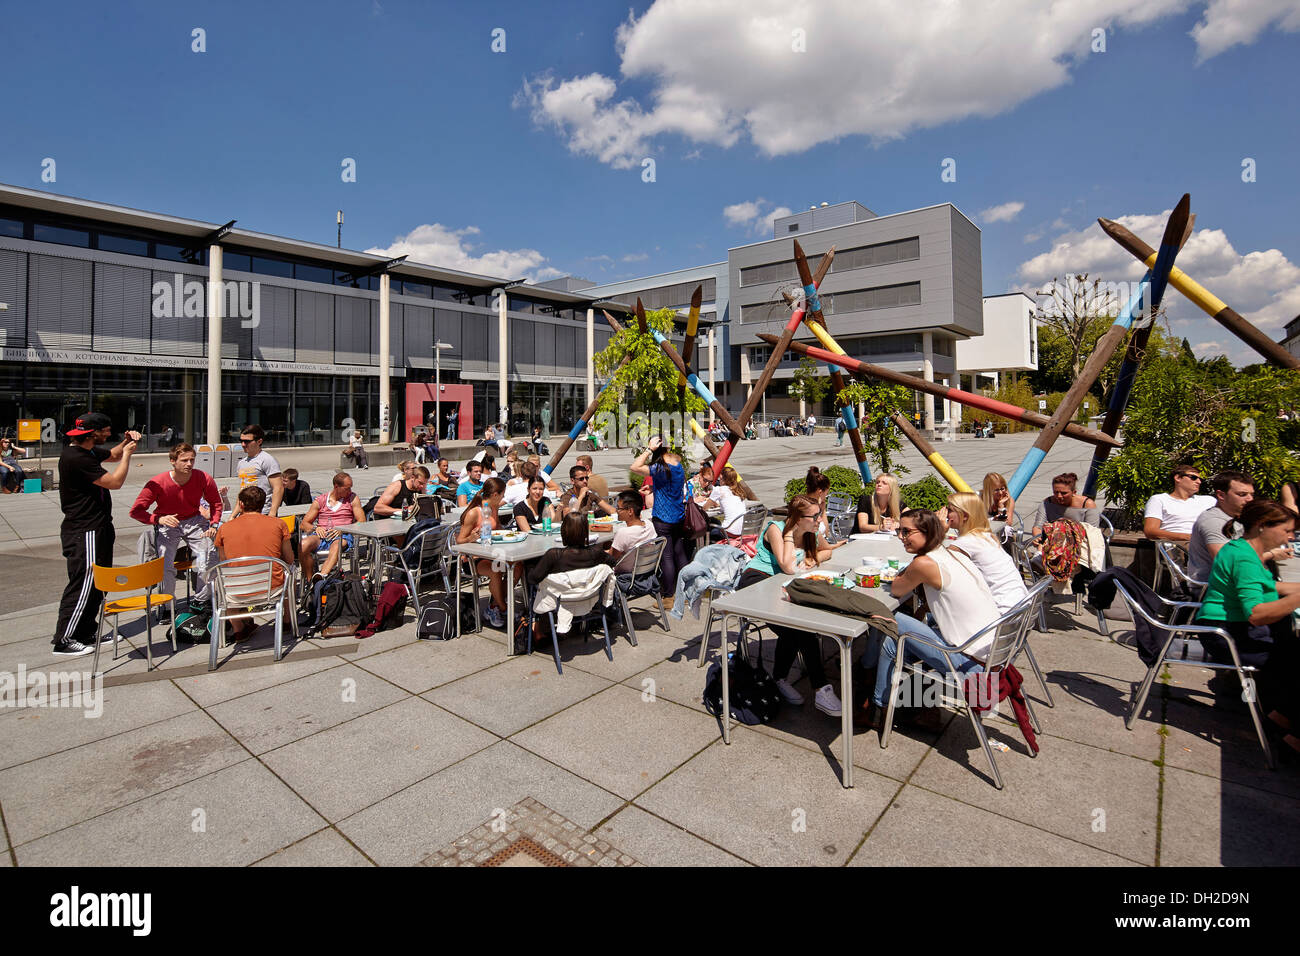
(602, 527)
(508, 537)
(827, 577)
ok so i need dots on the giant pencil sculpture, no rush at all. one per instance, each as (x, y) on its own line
(1204, 299)
(581, 423)
(778, 352)
(700, 433)
(814, 317)
(1123, 390)
(1152, 284)
(867, 370)
(933, 457)
(688, 347)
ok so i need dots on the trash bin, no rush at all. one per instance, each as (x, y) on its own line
(31, 486)
(221, 461)
(203, 460)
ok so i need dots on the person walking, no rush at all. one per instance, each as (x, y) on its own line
(452, 419)
(840, 429)
(87, 529)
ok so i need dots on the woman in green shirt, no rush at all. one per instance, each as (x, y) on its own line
(1244, 600)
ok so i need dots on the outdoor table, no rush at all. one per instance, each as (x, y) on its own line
(764, 602)
(293, 511)
(510, 554)
(377, 531)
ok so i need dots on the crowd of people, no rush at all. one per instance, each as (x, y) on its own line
(960, 557)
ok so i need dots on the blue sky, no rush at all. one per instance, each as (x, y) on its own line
(528, 161)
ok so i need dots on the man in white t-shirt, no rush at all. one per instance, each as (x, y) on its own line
(1171, 516)
(259, 468)
(634, 532)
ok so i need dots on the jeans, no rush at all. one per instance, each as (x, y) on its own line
(12, 476)
(451, 431)
(189, 531)
(915, 651)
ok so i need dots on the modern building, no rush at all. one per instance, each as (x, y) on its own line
(1291, 338)
(902, 290)
(107, 308)
(1009, 342)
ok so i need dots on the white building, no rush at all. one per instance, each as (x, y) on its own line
(1009, 342)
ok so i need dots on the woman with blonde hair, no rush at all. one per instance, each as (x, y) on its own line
(976, 540)
(997, 498)
(880, 510)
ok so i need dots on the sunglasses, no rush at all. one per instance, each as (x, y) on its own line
(1186, 475)
(904, 532)
(247, 441)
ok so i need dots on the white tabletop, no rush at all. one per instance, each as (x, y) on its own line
(289, 511)
(766, 601)
(382, 528)
(534, 546)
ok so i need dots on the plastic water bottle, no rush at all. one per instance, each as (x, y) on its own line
(485, 533)
(546, 524)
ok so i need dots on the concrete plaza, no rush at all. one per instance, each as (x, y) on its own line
(397, 752)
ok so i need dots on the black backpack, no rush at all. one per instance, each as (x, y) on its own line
(411, 553)
(437, 621)
(754, 697)
(342, 605)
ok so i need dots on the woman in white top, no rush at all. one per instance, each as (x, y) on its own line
(960, 602)
(976, 540)
(734, 497)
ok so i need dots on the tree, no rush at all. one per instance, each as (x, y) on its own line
(880, 400)
(1073, 309)
(648, 383)
(809, 383)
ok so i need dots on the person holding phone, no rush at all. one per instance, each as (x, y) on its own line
(669, 510)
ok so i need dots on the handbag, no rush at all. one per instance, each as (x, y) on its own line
(754, 696)
(695, 520)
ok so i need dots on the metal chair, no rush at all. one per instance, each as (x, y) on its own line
(643, 563)
(431, 560)
(134, 577)
(1008, 636)
(1167, 554)
(754, 522)
(1190, 632)
(1037, 595)
(244, 587)
(601, 574)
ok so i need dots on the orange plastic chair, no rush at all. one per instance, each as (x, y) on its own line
(134, 577)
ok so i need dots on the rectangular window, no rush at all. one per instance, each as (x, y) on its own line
(12, 228)
(793, 227)
(883, 253)
(771, 272)
(236, 261)
(421, 290)
(272, 267)
(308, 273)
(65, 237)
(520, 305)
(164, 250)
(124, 244)
(866, 300)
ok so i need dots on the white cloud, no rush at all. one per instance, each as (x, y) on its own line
(637, 257)
(716, 71)
(1003, 213)
(1227, 23)
(1264, 286)
(751, 215)
(438, 245)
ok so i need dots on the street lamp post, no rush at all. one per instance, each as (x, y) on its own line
(439, 347)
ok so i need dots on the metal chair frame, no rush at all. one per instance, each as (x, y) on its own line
(603, 610)
(134, 577)
(1189, 631)
(1177, 572)
(249, 583)
(1009, 632)
(645, 561)
(432, 559)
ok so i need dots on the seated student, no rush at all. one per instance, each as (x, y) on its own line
(634, 531)
(997, 498)
(322, 523)
(535, 507)
(880, 510)
(471, 485)
(485, 461)
(1065, 502)
(552, 488)
(1233, 490)
(595, 482)
(580, 498)
(537, 443)
(489, 438)
(401, 493)
(480, 510)
(296, 491)
(443, 478)
(788, 549)
(1171, 516)
(357, 452)
(517, 487)
(1243, 599)
(732, 498)
(251, 534)
(959, 599)
(576, 555)
(976, 540)
(511, 468)
(403, 470)
(11, 473)
(423, 449)
(818, 487)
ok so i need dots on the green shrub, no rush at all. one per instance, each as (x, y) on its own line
(844, 481)
(635, 479)
(930, 492)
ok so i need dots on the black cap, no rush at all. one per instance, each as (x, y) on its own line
(88, 423)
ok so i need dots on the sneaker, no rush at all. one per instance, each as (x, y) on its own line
(495, 617)
(789, 693)
(73, 649)
(827, 702)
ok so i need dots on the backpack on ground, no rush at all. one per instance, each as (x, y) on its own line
(390, 610)
(754, 697)
(343, 606)
(438, 619)
(194, 625)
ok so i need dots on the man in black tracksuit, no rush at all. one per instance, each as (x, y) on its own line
(87, 529)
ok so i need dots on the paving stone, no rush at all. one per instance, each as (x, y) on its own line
(516, 693)
(29, 733)
(921, 828)
(228, 682)
(618, 740)
(54, 792)
(1220, 741)
(652, 647)
(348, 767)
(753, 797)
(275, 716)
(423, 665)
(323, 848)
(1209, 822)
(659, 843)
(1057, 791)
(410, 825)
(677, 680)
(1091, 710)
(247, 814)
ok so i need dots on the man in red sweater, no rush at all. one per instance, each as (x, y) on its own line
(180, 496)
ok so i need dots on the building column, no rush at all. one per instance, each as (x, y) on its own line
(216, 311)
(385, 346)
(927, 373)
(503, 403)
(712, 388)
(591, 356)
